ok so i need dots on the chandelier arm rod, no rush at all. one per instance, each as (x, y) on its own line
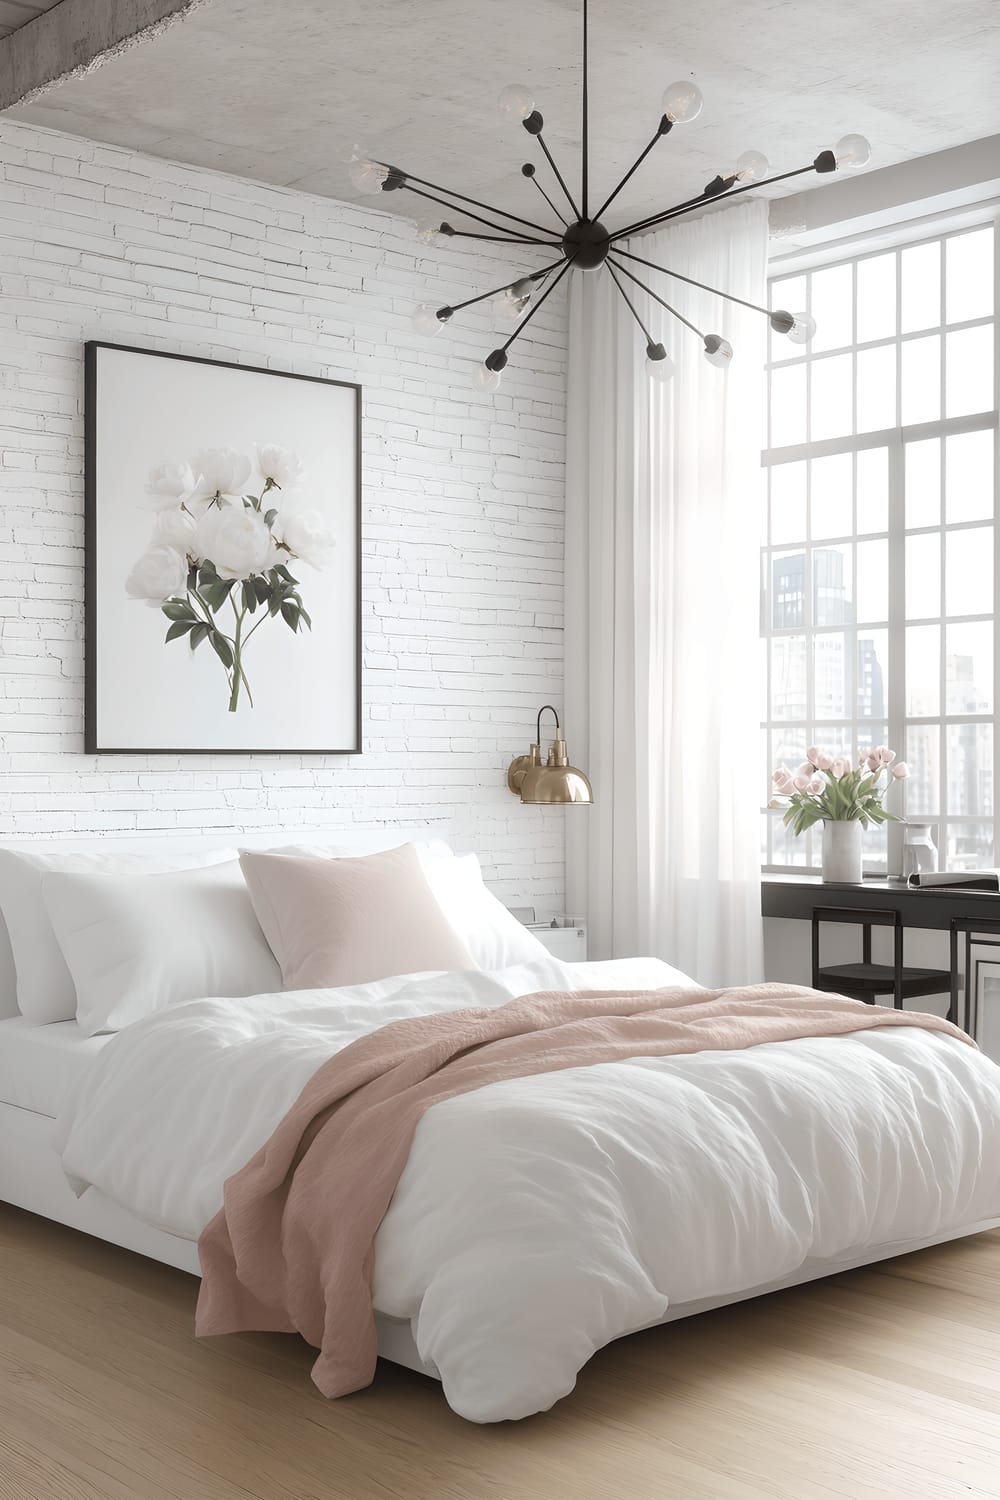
(532, 276)
(715, 292)
(585, 131)
(559, 176)
(632, 169)
(548, 200)
(500, 239)
(506, 234)
(656, 298)
(547, 293)
(620, 234)
(630, 305)
(683, 208)
(463, 198)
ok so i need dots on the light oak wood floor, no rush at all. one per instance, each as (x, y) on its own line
(873, 1385)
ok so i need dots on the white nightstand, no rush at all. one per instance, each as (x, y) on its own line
(567, 940)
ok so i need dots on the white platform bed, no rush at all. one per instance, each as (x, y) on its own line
(40, 1067)
(32, 1178)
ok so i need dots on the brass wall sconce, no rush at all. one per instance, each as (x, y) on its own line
(553, 781)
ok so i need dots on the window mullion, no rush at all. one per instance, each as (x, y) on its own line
(896, 700)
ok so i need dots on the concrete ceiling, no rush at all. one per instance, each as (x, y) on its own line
(276, 91)
(17, 13)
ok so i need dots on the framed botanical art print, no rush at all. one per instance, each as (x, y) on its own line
(223, 547)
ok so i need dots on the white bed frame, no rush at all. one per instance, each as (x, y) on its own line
(31, 1175)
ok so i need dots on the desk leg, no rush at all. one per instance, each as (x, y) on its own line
(953, 996)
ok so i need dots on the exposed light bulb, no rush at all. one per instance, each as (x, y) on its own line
(718, 351)
(682, 101)
(425, 320)
(485, 380)
(802, 329)
(508, 307)
(367, 175)
(853, 151)
(752, 166)
(659, 365)
(515, 101)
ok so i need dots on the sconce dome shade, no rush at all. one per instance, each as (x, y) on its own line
(547, 786)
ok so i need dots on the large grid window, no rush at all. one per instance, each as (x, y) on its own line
(880, 560)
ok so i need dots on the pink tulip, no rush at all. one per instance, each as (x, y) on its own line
(816, 786)
(839, 767)
(900, 770)
(781, 780)
(801, 783)
(883, 755)
(806, 769)
(813, 754)
(823, 761)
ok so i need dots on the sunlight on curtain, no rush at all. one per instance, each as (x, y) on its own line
(662, 523)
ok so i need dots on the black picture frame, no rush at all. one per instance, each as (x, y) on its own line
(92, 732)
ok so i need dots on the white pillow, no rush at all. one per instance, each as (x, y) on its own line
(377, 844)
(494, 937)
(136, 946)
(45, 990)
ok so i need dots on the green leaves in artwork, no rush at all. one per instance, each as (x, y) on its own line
(222, 649)
(186, 622)
(179, 609)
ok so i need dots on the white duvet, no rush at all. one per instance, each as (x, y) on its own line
(538, 1219)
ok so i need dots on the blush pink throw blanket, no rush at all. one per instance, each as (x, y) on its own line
(293, 1247)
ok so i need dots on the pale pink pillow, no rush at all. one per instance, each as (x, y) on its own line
(333, 922)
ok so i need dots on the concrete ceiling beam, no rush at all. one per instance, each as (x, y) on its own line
(77, 36)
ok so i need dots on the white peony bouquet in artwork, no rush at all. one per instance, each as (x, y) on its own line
(217, 564)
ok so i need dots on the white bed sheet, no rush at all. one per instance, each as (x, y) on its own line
(539, 1219)
(39, 1065)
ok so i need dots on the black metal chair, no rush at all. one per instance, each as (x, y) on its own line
(972, 927)
(867, 980)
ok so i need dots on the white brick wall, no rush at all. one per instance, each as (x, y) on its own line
(463, 494)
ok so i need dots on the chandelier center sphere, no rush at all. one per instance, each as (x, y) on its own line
(587, 243)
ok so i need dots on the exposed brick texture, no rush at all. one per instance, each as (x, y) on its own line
(463, 497)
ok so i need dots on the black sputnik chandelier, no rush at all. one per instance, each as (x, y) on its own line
(581, 241)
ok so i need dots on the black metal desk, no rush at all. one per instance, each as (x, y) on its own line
(957, 912)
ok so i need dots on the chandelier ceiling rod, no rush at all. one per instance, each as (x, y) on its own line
(585, 242)
(585, 130)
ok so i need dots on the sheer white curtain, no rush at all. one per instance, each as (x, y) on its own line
(662, 561)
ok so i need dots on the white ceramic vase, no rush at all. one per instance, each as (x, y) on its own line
(842, 851)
